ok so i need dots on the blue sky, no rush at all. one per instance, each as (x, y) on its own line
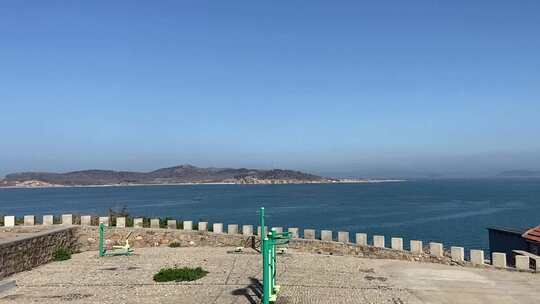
(337, 88)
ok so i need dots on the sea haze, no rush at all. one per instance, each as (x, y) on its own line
(455, 212)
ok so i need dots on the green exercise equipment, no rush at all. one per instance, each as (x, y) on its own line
(269, 244)
(112, 250)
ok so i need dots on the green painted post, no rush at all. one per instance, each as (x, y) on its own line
(261, 221)
(266, 260)
(101, 237)
(273, 262)
(266, 271)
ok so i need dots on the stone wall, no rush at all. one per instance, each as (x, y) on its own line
(197, 234)
(28, 251)
(88, 238)
(155, 237)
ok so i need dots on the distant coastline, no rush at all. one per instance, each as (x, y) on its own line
(348, 181)
(179, 175)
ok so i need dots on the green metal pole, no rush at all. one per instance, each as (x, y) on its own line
(266, 271)
(274, 265)
(266, 260)
(101, 237)
(261, 221)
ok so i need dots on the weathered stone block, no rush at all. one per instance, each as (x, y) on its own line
(498, 259)
(278, 229)
(138, 222)
(104, 220)
(477, 257)
(232, 229)
(171, 224)
(67, 219)
(247, 230)
(309, 234)
(48, 220)
(121, 222)
(259, 230)
(361, 239)
(522, 262)
(9, 221)
(218, 227)
(457, 253)
(86, 220)
(294, 232)
(436, 249)
(154, 223)
(202, 226)
(416, 246)
(397, 243)
(378, 241)
(187, 225)
(343, 236)
(326, 235)
(29, 220)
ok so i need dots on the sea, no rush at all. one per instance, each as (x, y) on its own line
(455, 212)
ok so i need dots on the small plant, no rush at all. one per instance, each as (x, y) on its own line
(179, 274)
(62, 254)
(174, 244)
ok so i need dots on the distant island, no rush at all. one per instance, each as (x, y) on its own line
(184, 174)
(519, 173)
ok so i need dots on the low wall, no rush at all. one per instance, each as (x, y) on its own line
(84, 236)
(28, 251)
(155, 237)
(88, 238)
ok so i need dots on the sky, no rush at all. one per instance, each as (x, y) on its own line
(341, 88)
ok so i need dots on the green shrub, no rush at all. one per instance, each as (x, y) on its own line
(62, 254)
(179, 274)
(174, 244)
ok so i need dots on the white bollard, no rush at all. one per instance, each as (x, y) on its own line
(121, 222)
(171, 224)
(522, 262)
(326, 235)
(232, 229)
(378, 241)
(138, 223)
(457, 253)
(343, 236)
(154, 223)
(67, 219)
(477, 257)
(361, 239)
(436, 249)
(29, 220)
(247, 230)
(202, 226)
(397, 243)
(309, 234)
(104, 220)
(218, 227)
(498, 259)
(86, 220)
(417, 247)
(9, 221)
(187, 225)
(294, 232)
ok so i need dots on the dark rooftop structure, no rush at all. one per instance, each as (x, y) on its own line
(504, 239)
(533, 234)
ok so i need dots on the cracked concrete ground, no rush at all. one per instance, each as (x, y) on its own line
(234, 278)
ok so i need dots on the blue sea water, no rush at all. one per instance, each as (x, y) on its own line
(455, 212)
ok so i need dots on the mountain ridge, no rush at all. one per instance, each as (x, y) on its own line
(168, 175)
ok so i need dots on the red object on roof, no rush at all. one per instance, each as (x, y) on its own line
(532, 234)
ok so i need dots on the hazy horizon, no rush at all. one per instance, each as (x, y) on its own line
(386, 89)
